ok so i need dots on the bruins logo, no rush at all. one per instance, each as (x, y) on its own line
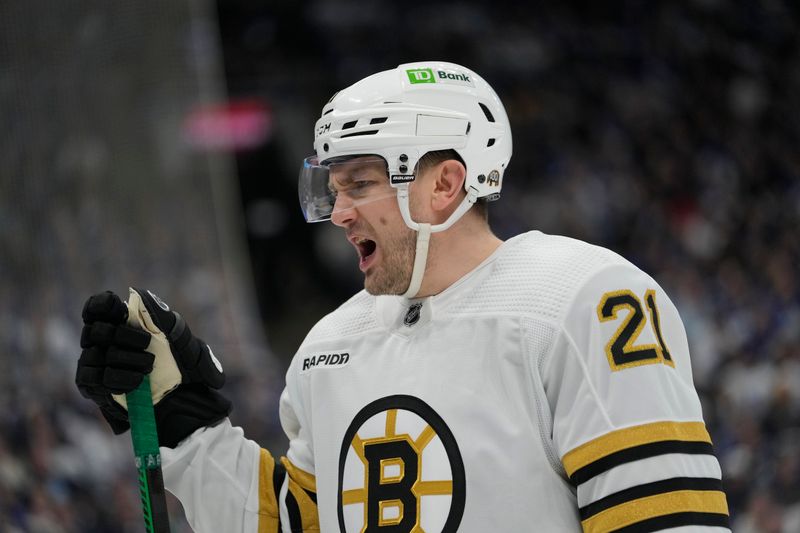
(400, 470)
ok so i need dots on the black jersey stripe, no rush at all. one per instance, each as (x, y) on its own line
(293, 510)
(305, 504)
(651, 511)
(649, 489)
(637, 453)
(278, 475)
(677, 520)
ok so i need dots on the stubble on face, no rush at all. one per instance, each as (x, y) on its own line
(393, 274)
(399, 247)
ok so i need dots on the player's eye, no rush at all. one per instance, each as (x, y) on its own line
(359, 187)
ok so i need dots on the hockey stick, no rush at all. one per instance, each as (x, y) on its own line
(148, 458)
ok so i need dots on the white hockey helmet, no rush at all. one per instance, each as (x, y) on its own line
(404, 113)
(399, 115)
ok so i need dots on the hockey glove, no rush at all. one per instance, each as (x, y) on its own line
(123, 343)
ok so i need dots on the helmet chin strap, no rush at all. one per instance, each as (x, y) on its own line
(420, 259)
(424, 233)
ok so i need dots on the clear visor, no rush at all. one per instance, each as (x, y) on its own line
(341, 184)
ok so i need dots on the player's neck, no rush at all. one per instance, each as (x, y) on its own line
(454, 253)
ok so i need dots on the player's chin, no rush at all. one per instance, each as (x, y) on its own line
(377, 283)
(374, 286)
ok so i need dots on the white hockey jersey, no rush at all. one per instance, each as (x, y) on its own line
(548, 390)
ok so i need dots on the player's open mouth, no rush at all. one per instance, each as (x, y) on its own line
(366, 251)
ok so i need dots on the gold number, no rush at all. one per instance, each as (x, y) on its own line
(655, 321)
(622, 350)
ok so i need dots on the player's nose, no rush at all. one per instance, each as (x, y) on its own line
(343, 212)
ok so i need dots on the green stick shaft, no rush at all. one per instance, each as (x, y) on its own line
(148, 458)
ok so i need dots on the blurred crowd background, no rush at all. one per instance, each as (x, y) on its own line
(157, 145)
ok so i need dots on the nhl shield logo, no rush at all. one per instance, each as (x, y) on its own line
(412, 315)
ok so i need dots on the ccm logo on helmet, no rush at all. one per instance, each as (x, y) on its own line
(325, 128)
(326, 359)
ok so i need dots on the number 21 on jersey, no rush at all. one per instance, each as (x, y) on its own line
(622, 349)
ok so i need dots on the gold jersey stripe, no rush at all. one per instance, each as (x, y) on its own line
(634, 511)
(268, 515)
(301, 477)
(309, 516)
(622, 439)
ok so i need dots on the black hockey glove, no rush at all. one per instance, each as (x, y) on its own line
(121, 343)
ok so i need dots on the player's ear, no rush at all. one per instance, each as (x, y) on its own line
(448, 181)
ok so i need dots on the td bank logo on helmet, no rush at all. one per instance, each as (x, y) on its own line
(428, 75)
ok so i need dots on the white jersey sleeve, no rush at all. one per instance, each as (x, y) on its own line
(227, 482)
(626, 420)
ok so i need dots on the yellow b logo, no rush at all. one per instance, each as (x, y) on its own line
(400, 470)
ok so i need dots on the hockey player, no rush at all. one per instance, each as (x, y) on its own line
(538, 384)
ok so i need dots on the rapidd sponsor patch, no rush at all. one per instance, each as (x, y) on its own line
(329, 360)
(428, 75)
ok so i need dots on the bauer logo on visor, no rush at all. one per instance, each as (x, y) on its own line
(402, 178)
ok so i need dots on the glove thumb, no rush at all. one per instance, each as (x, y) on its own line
(166, 375)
